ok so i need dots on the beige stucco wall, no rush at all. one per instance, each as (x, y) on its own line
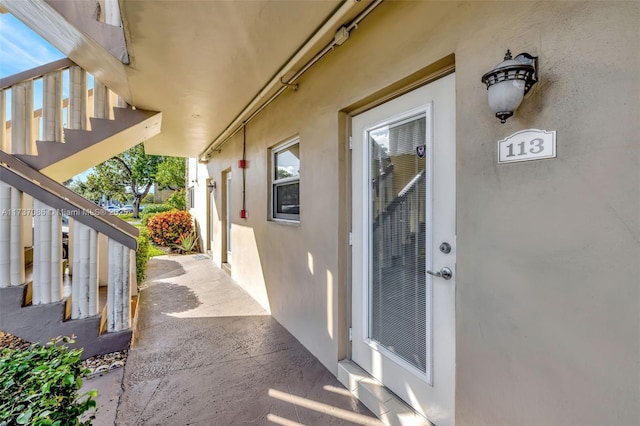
(548, 306)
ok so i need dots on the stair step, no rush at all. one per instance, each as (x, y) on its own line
(61, 160)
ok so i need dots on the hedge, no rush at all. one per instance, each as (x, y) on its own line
(167, 229)
(39, 386)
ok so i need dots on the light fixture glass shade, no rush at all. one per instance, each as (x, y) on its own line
(508, 82)
(506, 95)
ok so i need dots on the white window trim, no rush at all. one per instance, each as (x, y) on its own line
(281, 217)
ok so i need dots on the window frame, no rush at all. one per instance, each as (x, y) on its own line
(274, 183)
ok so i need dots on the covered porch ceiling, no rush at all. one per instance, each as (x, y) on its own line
(205, 64)
(202, 62)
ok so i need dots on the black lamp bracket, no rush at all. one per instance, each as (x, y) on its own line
(526, 70)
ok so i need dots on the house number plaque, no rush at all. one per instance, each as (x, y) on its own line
(525, 145)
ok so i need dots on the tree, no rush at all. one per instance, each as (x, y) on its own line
(172, 172)
(130, 174)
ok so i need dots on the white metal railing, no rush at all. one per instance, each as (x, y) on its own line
(17, 212)
(27, 124)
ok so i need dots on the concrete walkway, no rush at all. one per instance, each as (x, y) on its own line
(205, 353)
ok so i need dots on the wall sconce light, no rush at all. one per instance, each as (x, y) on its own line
(509, 81)
(211, 186)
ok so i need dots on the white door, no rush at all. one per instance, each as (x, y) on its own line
(404, 226)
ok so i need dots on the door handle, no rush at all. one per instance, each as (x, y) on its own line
(444, 273)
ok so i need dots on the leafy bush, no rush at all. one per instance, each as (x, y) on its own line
(168, 228)
(152, 210)
(149, 199)
(125, 216)
(39, 386)
(142, 254)
(178, 199)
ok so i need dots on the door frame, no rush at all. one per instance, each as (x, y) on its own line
(433, 76)
(226, 221)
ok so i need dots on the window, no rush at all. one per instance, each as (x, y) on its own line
(191, 198)
(285, 181)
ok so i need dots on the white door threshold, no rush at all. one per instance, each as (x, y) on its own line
(376, 397)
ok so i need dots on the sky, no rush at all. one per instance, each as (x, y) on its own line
(22, 49)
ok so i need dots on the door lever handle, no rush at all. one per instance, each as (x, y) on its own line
(444, 273)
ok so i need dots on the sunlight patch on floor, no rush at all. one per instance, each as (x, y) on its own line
(282, 421)
(321, 407)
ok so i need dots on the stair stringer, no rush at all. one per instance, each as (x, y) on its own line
(84, 149)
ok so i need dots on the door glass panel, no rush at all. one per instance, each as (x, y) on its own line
(398, 294)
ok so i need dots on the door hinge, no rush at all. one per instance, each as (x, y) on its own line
(350, 238)
(350, 334)
(350, 142)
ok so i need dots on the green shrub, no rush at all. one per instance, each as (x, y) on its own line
(178, 200)
(142, 254)
(188, 243)
(125, 216)
(149, 199)
(166, 229)
(39, 386)
(153, 210)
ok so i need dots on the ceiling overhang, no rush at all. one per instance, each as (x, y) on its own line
(201, 63)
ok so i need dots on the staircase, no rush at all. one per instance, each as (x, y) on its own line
(43, 294)
(68, 135)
